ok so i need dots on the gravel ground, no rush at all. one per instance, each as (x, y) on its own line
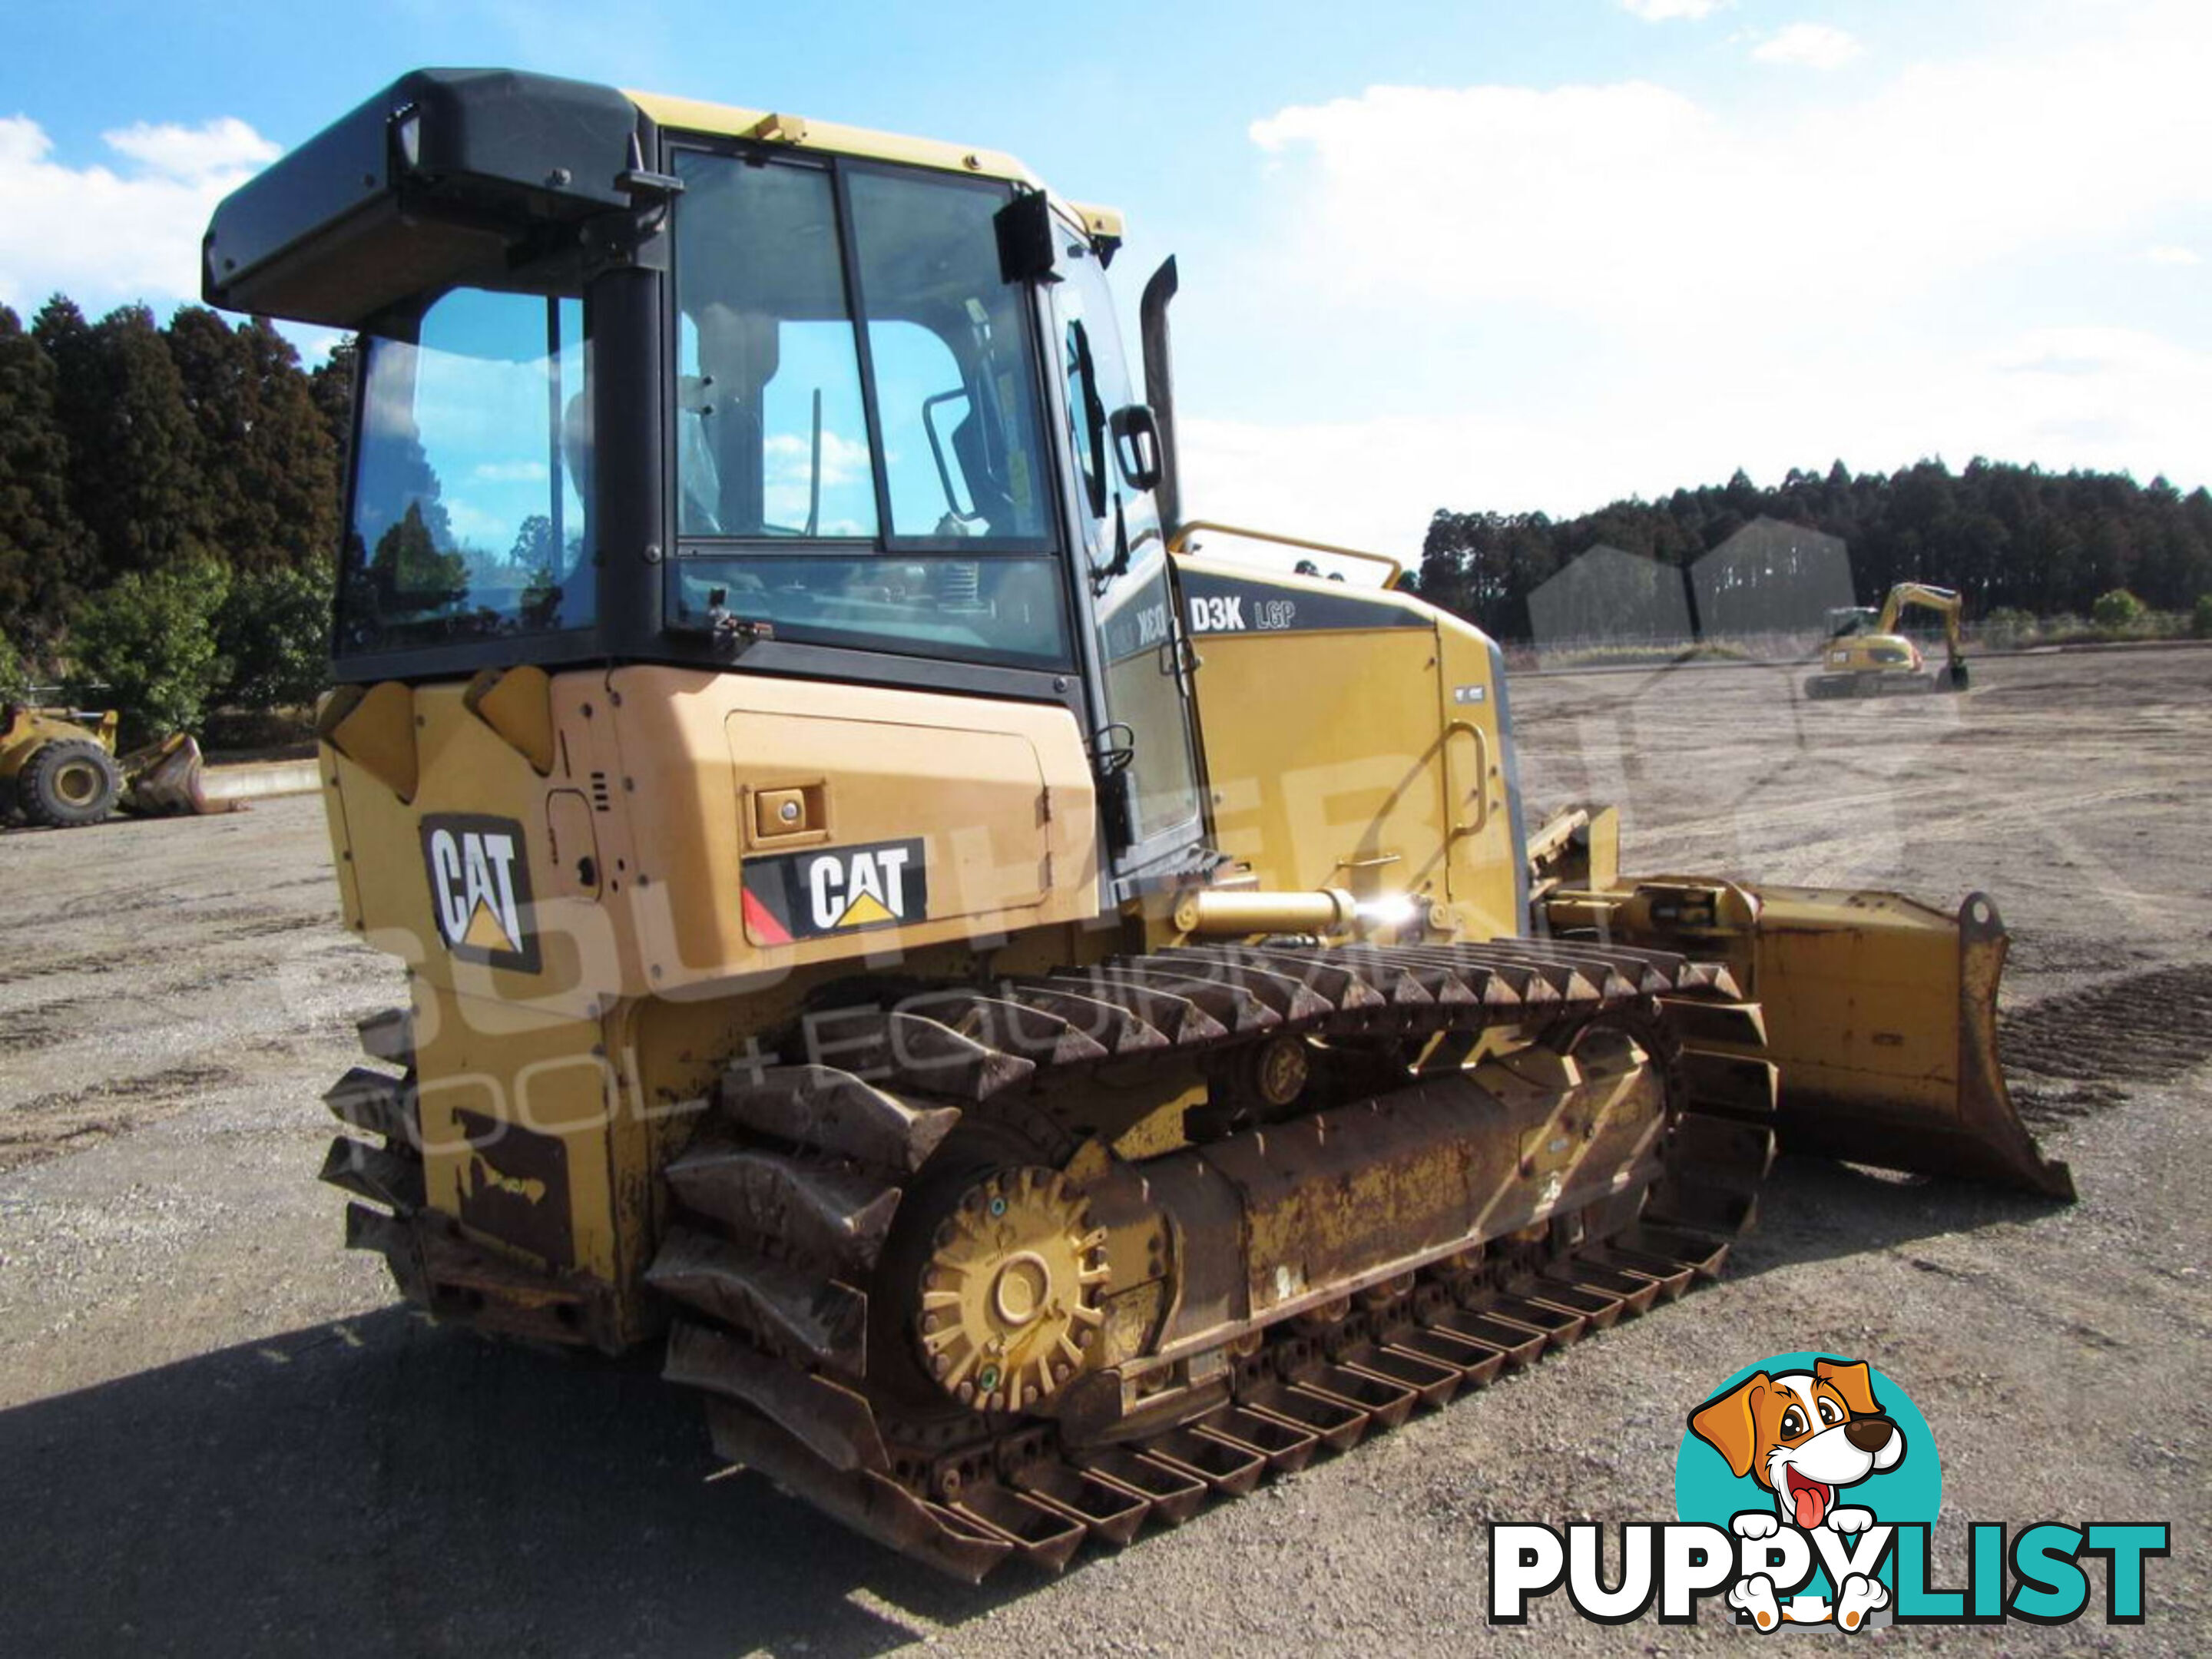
(217, 1434)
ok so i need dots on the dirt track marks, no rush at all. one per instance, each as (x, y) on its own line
(47, 1025)
(71, 1120)
(2079, 1046)
(102, 961)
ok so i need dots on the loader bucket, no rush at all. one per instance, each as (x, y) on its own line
(166, 780)
(1882, 1015)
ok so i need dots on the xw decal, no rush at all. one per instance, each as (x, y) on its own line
(479, 871)
(834, 890)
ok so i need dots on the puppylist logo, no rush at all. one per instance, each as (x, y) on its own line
(1807, 1487)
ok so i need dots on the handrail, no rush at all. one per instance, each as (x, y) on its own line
(1480, 821)
(1183, 532)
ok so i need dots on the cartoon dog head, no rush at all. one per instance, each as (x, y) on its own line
(1802, 1435)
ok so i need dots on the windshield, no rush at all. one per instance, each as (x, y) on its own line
(1845, 621)
(472, 476)
(859, 455)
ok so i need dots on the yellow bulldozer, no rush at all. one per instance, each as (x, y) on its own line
(1866, 656)
(1033, 1027)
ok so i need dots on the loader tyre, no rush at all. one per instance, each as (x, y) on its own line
(69, 784)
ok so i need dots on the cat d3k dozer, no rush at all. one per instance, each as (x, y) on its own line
(1037, 1027)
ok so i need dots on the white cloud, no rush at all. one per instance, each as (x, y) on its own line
(843, 459)
(478, 530)
(1809, 45)
(2120, 397)
(1382, 480)
(2166, 254)
(511, 472)
(105, 234)
(1576, 293)
(1636, 205)
(1664, 11)
(224, 145)
(1563, 196)
(2116, 399)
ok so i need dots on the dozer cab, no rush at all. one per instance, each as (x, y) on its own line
(1866, 656)
(1035, 1028)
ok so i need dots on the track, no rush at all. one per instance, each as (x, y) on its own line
(787, 1195)
(488, 1512)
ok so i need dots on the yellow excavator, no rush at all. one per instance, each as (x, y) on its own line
(1034, 1027)
(1866, 656)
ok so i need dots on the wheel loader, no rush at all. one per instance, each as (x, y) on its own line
(1033, 1026)
(57, 769)
(60, 771)
(1865, 656)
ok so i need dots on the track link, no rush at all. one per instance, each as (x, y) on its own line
(786, 1194)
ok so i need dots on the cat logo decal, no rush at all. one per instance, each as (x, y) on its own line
(834, 890)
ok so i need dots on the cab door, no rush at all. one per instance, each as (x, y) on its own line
(1144, 747)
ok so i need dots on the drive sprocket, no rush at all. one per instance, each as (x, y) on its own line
(1009, 1290)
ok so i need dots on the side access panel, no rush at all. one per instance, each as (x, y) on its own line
(1354, 738)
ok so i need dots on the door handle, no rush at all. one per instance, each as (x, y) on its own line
(1475, 825)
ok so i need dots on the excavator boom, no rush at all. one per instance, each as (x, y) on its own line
(1910, 595)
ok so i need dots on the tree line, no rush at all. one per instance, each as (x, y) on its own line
(2014, 538)
(169, 505)
(170, 498)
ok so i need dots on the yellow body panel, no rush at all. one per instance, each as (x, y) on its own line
(1861, 993)
(732, 121)
(573, 1033)
(655, 782)
(1372, 759)
(496, 1105)
(1872, 653)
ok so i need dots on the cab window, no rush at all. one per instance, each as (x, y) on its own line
(858, 453)
(473, 477)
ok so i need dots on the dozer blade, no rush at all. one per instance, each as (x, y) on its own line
(1882, 1015)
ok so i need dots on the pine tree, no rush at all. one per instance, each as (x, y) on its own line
(45, 553)
(60, 329)
(137, 473)
(65, 336)
(330, 383)
(270, 464)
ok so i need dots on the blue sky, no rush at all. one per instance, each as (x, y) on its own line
(1471, 254)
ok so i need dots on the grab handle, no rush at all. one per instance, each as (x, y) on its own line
(1480, 821)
